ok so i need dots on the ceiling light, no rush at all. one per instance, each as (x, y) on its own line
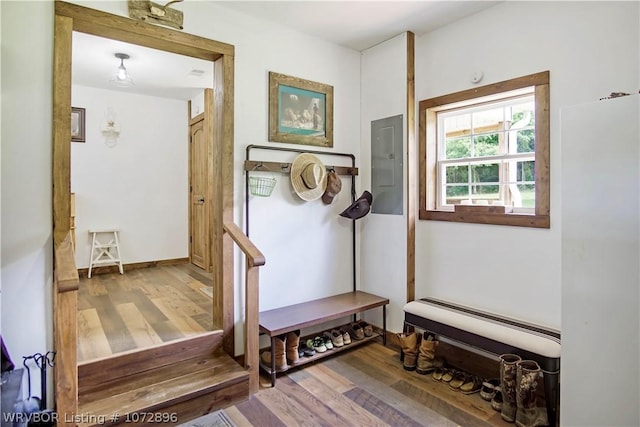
(122, 78)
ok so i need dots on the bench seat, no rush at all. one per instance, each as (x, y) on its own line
(494, 334)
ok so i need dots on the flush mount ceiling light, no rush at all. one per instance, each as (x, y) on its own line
(122, 77)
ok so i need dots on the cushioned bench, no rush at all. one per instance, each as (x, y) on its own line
(494, 334)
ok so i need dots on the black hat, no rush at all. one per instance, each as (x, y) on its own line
(359, 208)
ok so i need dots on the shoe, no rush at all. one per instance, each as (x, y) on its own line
(346, 338)
(305, 350)
(427, 360)
(437, 374)
(292, 344)
(472, 385)
(366, 328)
(336, 338)
(448, 375)
(458, 379)
(496, 400)
(318, 345)
(489, 388)
(356, 331)
(279, 353)
(327, 340)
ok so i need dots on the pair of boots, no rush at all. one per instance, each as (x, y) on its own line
(421, 358)
(285, 350)
(519, 379)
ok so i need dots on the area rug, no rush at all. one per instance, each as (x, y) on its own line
(208, 291)
(214, 419)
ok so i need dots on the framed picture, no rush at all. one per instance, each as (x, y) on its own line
(77, 124)
(300, 111)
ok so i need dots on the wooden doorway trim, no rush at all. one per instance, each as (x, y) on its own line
(69, 18)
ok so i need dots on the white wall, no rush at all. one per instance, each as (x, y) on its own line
(383, 237)
(307, 233)
(600, 261)
(140, 185)
(27, 40)
(590, 49)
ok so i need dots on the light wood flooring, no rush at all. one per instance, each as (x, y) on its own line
(142, 308)
(366, 386)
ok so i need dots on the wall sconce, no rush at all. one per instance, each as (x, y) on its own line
(122, 77)
(110, 128)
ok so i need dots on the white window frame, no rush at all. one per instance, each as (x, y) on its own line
(428, 160)
(506, 101)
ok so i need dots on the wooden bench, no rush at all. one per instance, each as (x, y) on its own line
(493, 334)
(291, 318)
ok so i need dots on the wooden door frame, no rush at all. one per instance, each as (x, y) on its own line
(70, 18)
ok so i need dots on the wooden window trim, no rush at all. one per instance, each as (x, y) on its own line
(427, 155)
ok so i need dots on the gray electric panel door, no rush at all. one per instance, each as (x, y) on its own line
(386, 165)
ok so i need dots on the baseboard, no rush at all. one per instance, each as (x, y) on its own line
(105, 269)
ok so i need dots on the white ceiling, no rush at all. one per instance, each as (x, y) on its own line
(361, 24)
(354, 24)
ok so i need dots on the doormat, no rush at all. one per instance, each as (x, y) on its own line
(208, 291)
(214, 419)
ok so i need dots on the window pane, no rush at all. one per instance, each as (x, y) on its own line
(526, 171)
(523, 124)
(457, 174)
(488, 120)
(458, 148)
(485, 173)
(527, 196)
(526, 141)
(454, 194)
(485, 145)
(488, 193)
(523, 113)
(458, 125)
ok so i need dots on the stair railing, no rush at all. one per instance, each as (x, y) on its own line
(66, 282)
(254, 259)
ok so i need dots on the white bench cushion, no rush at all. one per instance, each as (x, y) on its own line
(509, 331)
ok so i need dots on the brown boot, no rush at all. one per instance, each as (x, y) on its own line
(508, 370)
(293, 341)
(279, 353)
(528, 413)
(409, 344)
(427, 361)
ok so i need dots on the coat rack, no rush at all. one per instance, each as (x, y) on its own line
(279, 167)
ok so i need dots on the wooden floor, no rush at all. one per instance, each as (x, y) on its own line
(142, 308)
(366, 386)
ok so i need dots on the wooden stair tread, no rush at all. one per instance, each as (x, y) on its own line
(155, 376)
(166, 386)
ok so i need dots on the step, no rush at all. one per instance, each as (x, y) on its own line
(171, 394)
(102, 373)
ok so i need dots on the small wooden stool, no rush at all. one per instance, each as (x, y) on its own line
(105, 253)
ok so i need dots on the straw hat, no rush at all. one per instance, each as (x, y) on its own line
(308, 177)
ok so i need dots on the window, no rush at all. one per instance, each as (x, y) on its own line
(484, 154)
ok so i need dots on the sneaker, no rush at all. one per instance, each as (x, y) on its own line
(305, 350)
(327, 340)
(336, 338)
(366, 328)
(318, 345)
(356, 331)
(346, 338)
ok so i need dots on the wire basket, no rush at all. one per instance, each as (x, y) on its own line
(261, 186)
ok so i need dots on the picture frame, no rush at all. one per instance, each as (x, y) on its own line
(300, 111)
(77, 124)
